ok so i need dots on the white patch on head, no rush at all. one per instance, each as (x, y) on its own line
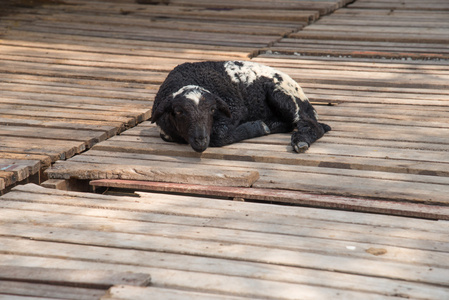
(247, 72)
(191, 92)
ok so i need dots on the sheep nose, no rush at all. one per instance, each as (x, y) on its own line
(201, 140)
(200, 143)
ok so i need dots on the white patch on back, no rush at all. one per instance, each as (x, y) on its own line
(247, 72)
(191, 92)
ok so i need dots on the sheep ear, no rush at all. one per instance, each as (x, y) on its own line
(223, 106)
(160, 110)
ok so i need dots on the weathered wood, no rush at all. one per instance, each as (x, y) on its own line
(49, 291)
(96, 279)
(125, 292)
(373, 158)
(89, 137)
(189, 174)
(296, 197)
(76, 236)
(58, 184)
(32, 145)
(203, 236)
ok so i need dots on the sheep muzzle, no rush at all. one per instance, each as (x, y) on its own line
(199, 139)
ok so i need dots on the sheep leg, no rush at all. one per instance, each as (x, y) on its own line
(309, 130)
(297, 112)
(225, 136)
(279, 127)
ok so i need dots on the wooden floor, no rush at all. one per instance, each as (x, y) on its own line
(387, 152)
(76, 72)
(77, 81)
(200, 248)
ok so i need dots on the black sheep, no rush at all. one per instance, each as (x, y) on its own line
(220, 103)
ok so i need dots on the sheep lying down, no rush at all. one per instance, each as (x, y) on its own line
(219, 103)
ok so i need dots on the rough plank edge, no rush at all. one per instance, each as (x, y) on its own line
(95, 279)
(126, 292)
(57, 184)
(222, 177)
(407, 209)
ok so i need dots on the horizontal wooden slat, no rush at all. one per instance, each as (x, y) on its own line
(68, 277)
(389, 207)
(158, 234)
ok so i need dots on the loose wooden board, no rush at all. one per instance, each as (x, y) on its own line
(186, 173)
(292, 197)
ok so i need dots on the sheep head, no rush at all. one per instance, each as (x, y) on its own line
(188, 116)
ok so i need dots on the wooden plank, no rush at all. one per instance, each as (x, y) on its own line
(54, 148)
(12, 171)
(124, 258)
(95, 279)
(358, 36)
(279, 15)
(322, 7)
(195, 211)
(13, 121)
(58, 184)
(195, 175)
(220, 284)
(49, 291)
(21, 168)
(248, 250)
(55, 99)
(89, 137)
(165, 35)
(76, 250)
(252, 288)
(372, 158)
(203, 236)
(432, 5)
(141, 25)
(328, 201)
(116, 45)
(358, 52)
(125, 292)
(15, 297)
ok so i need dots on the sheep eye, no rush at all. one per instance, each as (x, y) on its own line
(212, 110)
(179, 112)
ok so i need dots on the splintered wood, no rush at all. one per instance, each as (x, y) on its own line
(214, 249)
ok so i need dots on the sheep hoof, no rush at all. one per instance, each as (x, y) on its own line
(266, 128)
(300, 147)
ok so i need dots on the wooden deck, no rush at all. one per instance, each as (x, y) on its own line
(77, 81)
(200, 248)
(76, 72)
